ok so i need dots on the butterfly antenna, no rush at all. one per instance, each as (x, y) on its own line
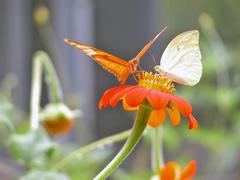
(151, 67)
(153, 58)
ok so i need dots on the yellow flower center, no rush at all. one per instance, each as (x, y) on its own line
(155, 81)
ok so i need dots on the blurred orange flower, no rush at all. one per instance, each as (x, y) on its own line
(58, 126)
(57, 118)
(157, 91)
(173, 171)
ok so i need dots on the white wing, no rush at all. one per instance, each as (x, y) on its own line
(181, 60)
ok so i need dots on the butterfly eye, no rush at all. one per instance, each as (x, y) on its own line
(135, 61)
(157, 69)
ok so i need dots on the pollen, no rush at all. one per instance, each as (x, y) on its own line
(155, 81)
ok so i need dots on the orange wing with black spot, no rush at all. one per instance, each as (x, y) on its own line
(111, 63)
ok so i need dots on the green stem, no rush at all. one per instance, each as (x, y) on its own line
(35, 91)
(40, 60)
(50, 42)
(157, 154)
(136, 133)
(86, 149)
(52, 81)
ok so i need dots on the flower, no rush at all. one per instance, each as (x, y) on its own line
(57, 118)
(157, 91)
(58, 126)
(173, 171)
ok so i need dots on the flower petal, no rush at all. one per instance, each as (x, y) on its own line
(157, 117)
(174, 115)
(192, 122)
(127, 107)
(118, 95)
(157, 99)
(136, 96)
(104, 101)
(171, 171)
(183, 106)
(189, 171)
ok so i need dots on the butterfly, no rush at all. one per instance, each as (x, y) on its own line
(113, 64)
(181, 60)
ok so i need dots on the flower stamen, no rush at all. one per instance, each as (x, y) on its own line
(155, 81)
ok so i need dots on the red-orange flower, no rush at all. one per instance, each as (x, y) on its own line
(158, 92)
(173, 171)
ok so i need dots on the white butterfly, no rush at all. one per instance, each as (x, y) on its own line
(181, 60)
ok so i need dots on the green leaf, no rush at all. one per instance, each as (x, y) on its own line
(87, 166)
(43, 175)
(32, 149)
(6, 112)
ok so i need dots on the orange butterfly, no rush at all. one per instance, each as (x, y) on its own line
(115, 65)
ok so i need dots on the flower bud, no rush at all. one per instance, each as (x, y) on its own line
(57, 118)
(41, 15)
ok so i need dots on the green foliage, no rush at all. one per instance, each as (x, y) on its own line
(43, 175)
(135, 175)
(32, 149)
(6, 113)
(86, 167)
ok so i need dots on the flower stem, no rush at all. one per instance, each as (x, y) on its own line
(136, 133)
(40, 60)
(55, 91)
(157, 154)
(35, 91)
(90, 147)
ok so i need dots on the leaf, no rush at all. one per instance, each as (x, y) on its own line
(87, 166)
(43, 175)
(33, 148)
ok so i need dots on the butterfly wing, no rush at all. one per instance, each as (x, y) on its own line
(117, 66)
(181, 60)
(148, 45)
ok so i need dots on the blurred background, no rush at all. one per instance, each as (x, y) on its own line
(122, 28)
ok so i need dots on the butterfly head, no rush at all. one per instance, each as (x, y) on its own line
(133, 64)
(159, 70)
